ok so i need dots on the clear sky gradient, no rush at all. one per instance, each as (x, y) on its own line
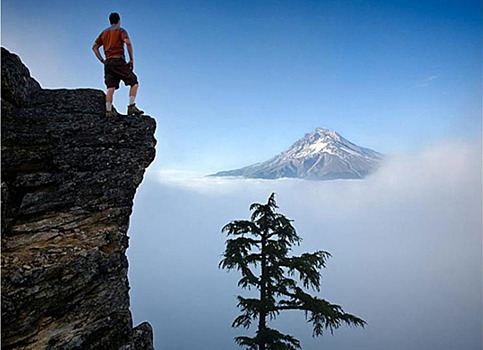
(231, 83)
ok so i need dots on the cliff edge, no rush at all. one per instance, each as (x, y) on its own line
(69, 176)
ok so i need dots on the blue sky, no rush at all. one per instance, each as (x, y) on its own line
(231, 83)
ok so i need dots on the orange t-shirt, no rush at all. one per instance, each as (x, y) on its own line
(112, 39)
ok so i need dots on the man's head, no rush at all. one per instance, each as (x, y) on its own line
(114, 18)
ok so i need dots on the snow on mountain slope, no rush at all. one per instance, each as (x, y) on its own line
(322, 154)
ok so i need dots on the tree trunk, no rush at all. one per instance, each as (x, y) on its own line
(262, 322)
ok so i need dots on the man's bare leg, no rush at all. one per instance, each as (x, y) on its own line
(132, 109)
(133, 91)
(109, 98)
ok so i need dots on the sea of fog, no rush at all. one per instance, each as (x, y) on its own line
(406, 251)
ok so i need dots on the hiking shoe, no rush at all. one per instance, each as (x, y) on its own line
(133, 110)
(112, 113)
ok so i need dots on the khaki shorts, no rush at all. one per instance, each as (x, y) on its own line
(115, 70)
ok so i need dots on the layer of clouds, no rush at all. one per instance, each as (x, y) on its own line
(406, 246)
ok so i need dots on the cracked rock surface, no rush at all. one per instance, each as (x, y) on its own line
(69, 176)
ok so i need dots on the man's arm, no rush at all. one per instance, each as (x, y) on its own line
(130, 52)
(95, 48)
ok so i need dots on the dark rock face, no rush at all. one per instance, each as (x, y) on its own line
(69, 176)
(17, 85)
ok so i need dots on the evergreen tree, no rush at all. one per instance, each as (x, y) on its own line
(260, 252)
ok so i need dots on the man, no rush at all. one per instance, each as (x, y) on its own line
(115, 66)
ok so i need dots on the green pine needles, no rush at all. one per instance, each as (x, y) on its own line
(259, 250)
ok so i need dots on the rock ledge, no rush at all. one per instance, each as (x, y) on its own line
(69, 176)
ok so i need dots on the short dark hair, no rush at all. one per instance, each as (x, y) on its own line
(114, 18)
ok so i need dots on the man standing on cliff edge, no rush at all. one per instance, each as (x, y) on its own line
(115, 66)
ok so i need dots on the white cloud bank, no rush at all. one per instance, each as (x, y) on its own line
(406, 246)
(443, 169)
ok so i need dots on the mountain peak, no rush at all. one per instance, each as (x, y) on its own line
(321, 154)
(325, 131)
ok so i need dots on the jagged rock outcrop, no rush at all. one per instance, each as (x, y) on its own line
(69, 176)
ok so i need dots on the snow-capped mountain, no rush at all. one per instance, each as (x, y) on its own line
(320, 155)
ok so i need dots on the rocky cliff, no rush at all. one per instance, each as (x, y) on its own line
(69, 176)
